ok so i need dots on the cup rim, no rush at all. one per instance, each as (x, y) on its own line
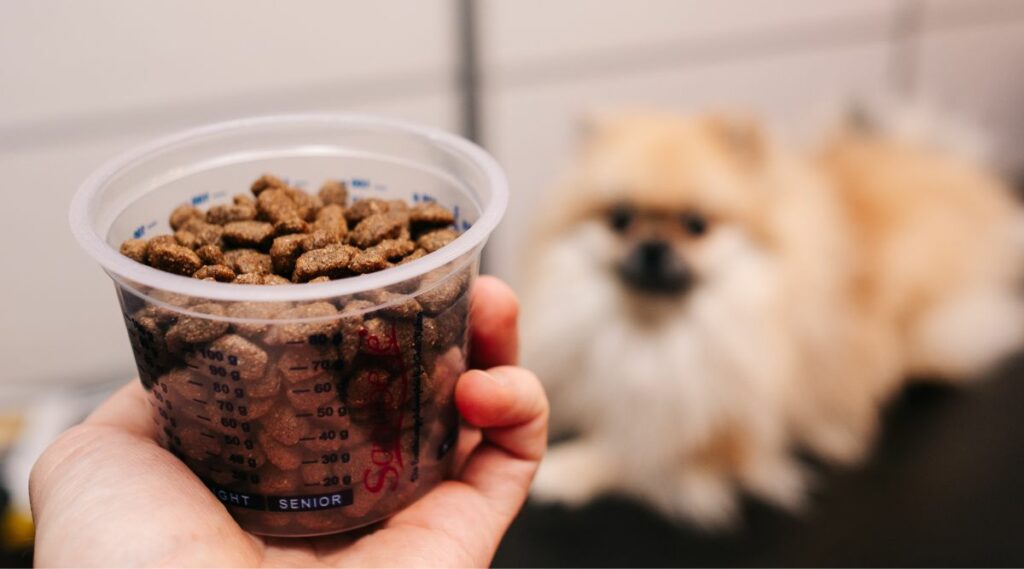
(121, 267)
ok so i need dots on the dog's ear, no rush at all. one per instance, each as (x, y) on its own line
(741, 135)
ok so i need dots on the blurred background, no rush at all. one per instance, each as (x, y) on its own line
(83, 81)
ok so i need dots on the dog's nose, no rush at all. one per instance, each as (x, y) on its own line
(653, 267)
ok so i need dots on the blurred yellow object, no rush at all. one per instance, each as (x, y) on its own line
(10, 427)
(17, 531)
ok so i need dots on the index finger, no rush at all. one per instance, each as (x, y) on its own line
(494, 335)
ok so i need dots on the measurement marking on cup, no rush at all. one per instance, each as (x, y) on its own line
(308, 439)
(211, 453)
(207, 435)
(300, 391)
(310, 461)
(204, 418)
(313, 484)
(296, 342)
(303, 415)
(298, 368)
(193, 382)
(193, 366)
(199, 401)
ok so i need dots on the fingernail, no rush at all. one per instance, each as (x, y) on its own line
(496, 378)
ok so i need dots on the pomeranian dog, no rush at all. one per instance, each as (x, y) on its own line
(703, 303)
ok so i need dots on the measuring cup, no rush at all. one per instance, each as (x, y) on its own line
(307, 409)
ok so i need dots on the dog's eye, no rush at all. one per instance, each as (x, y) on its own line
(695, 224)
(620, 217)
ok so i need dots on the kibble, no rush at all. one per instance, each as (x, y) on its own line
(377, 227)
(434, 240)
(431, 214)
(333, 192)
(223, 214)
(172, 258)
(182, 214)
(211, 255)
(331, 261)
(284, 252)
(257, 234)
(264, 182)
(135, 249)
(220, 273)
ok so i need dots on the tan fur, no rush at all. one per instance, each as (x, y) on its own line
(891, 259)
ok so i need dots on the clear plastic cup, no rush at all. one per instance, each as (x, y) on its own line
(307, 409)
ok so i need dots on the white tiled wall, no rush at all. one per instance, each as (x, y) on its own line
(83, 81)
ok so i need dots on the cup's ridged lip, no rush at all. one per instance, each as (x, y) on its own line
(126, 269)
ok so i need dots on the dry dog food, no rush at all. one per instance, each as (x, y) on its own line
(313, 417)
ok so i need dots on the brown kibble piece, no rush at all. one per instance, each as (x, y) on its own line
(364, 208)
(220, 273)
(417, 254)
(190, 440)
(205, 233)
(373, 389)
(283, 253)
(262, 385)
(319, 280)
(399, 305)
(211, 255)
(444, 294)
(243, 356)
(375, 228)
(306, 204)
(260, 279)
(386, 336)
(134, 249)
(282, 424)
(273, 279)
(291, 225)
(257, 408)
(282, 456)
(333, 192)
(258, 234)
(331, 218)
(171, 257)
(442, 330)
(264, 182)
(254, 311)
(367, 261)
(182, 214)
(251, 261)
(197, 329)
(186, 239)
(244, 199)
(331, 261)
(434, 240)
(298, 332)
(393, 249)
(222, 214)
(275, 205)
(183, 382)
(430, 214)
(319, 240)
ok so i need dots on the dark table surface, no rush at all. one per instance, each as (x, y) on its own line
(944, 486)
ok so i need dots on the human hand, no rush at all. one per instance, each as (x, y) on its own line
(105, 493)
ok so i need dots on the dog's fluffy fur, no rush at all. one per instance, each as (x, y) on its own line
(821, 282)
